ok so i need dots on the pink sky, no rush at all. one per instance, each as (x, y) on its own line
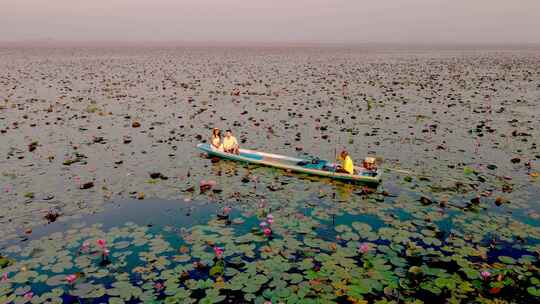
(338, 21)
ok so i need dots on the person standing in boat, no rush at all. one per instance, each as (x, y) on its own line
(216, 139)
(230, 144)
(346, 165)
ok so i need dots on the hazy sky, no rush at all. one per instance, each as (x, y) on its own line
(349, 21)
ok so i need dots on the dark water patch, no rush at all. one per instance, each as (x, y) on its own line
(151, 212)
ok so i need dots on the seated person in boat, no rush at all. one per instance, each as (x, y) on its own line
(346, 165)
(230, 144)
(369, 164)
(215, 141)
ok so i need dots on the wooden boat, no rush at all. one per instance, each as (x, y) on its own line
(308, 166)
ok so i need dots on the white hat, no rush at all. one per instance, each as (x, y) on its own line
(370, 160)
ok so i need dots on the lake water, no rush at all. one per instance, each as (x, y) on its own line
(456, 218)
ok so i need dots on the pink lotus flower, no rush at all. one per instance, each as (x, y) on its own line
(28, 295)
(267, 232)
(85, 246)
(485, 274)
(363, 248)
(158, 286)
(210, 183)
(270, 216)
(7, 188)
(5, 277)
(226, 210)
(106, 252)
(101, 243)
(71, 278)
(270, 221)
(263, 224)
(218, 251)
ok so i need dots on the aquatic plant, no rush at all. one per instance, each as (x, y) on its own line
(218, 251)
(71, 278)
(267, 232)
(364, 248)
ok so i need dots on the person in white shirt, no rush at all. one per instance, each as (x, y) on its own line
(230, 144)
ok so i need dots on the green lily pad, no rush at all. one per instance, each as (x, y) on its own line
(534, 291)
(507, 259)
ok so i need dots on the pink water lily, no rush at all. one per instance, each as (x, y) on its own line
(101, 243)
(485, 274)
(226, 210)
(28, 295)
(209, 183)
(218, 251)
(5, 277)
(85, 246)
(267, 232)
(363, 248)
(263, 224)
(159, 286)
(8, 188)
(106, 252)
(270, 218)
(71, 278)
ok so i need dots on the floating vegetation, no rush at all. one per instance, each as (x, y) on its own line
(455, 220)
(296, 261)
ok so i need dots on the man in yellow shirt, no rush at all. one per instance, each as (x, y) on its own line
(346, 165)
(230, 144)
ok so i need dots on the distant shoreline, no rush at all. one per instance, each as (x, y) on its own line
(248, 44)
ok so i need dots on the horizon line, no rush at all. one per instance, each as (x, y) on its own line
(219, 43)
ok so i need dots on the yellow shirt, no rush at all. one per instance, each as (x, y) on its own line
(347, 164)
(229, 143)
